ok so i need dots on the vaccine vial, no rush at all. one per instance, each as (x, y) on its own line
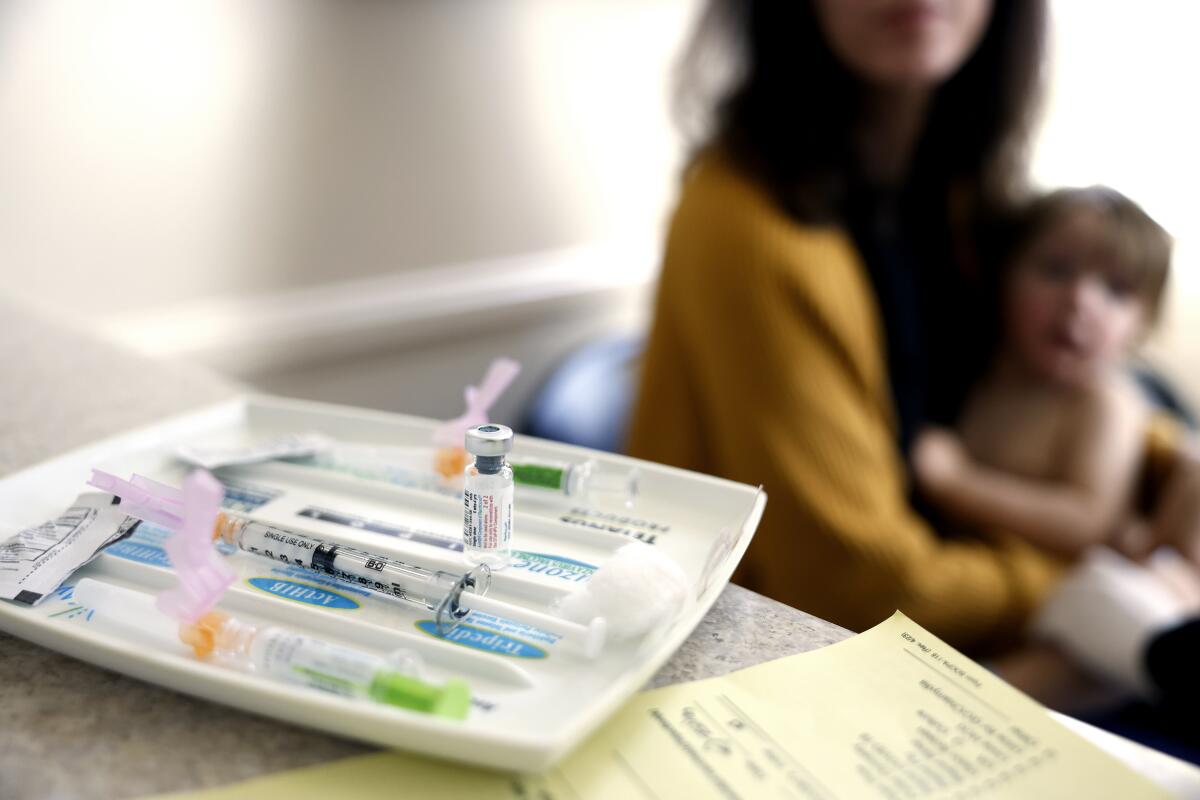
(488, 496)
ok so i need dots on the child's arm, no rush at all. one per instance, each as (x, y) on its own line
(1101, 458)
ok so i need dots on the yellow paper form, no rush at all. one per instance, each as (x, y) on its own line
(890, 713)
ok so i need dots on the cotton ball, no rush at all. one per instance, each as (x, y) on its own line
(633, 591)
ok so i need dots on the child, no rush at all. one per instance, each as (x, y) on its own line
(1050, 443)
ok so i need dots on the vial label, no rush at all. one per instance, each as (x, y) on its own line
(487, 518)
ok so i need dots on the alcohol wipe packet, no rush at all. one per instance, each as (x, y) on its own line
(35, 561)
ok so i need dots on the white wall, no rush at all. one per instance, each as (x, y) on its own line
(450, 131)
(153, 153)
(137, 161)
(167, 169)
(1124, 111)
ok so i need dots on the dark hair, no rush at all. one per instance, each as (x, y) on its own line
(787, 116)
(1140, 247)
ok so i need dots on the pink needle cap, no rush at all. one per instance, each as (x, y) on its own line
(479, 399)
(192, 515)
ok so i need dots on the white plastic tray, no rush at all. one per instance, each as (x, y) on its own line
(533, 699)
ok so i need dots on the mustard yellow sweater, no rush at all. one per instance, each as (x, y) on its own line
(766, 365)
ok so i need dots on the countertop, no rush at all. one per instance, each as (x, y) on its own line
(71, 730)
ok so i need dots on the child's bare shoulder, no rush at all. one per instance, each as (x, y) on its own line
(1113, 406)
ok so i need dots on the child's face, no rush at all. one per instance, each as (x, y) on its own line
(1070, 310)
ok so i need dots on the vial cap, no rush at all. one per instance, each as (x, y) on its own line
(489, 439)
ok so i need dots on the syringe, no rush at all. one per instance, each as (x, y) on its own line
(276, 652)
(450, 596)
(440, 470)
(429, 590)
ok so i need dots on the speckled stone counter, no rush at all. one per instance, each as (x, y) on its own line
(71, 730)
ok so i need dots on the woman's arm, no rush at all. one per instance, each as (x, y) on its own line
(766, 366)
(1068, 516)
(1172, 482)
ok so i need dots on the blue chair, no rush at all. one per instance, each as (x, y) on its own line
(1163, 395)
(588, 399)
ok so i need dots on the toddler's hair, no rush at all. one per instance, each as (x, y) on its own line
(1141, 247)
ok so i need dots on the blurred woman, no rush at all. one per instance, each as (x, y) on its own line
(822, 297)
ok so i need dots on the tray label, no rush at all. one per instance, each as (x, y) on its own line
(643, 530)
(480, 639)
(302, 593)
(552, 566)
(134, 550)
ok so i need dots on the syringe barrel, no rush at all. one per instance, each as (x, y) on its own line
(413, 584)
(418, 586)
(563, 478)
(575, 480)
(268, 541)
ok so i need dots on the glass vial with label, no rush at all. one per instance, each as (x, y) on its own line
(488, 496)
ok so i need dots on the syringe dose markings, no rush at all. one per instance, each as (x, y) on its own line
(375, 526)
(321, 557)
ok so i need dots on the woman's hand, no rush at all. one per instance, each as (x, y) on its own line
(938, 457)
(1134, 539)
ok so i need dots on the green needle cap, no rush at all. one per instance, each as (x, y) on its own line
(452, 700)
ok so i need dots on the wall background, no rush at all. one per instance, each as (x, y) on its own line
(365, 201)
(162, 152)
(1121, 112)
